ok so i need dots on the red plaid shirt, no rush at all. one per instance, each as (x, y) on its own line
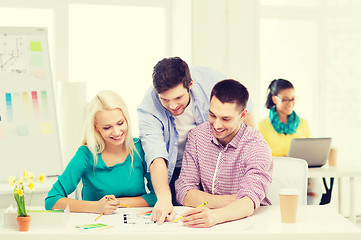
(243, 167)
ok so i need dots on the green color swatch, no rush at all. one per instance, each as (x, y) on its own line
(35, 46)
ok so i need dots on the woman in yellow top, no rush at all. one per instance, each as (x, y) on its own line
(283, 124)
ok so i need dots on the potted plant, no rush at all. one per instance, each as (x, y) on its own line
(27, 179)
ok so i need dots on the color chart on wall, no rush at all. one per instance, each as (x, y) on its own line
(26, 108)
(29, 136)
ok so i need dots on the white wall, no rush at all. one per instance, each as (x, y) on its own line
(225, 36)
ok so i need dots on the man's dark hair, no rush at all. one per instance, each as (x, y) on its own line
(230, 91)
(169, 73)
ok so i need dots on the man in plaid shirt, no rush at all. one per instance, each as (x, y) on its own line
(229, 160)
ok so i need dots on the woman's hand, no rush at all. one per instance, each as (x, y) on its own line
(107, 204)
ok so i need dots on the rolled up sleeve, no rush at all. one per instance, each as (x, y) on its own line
(258, 173)
(151, 135)
(189, 177)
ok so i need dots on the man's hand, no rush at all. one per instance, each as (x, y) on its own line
(163, 211)
(201, 217)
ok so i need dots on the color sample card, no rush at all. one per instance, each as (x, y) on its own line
(37, 60)
(27, 105)
(91, 226)
(22, 131)
(46, 128)
(34, 97)
(35, 46)
(9, 107)
(44, 104)
(39, 74)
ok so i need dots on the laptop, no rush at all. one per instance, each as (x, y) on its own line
(313, 150)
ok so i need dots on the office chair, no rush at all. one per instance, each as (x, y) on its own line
(288, 173)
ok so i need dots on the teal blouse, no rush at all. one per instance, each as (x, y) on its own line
(120, 180)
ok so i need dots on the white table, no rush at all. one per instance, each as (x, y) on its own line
(313, 222)
(340, 172)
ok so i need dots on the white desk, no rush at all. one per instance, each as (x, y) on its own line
(340, 172)
(313, 222)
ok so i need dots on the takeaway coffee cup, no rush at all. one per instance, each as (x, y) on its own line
(332, 157)
(288, 204)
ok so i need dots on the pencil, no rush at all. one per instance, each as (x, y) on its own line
(103, 228)
(99, 216)
(203, 204)
(109, 199)
(124, 205)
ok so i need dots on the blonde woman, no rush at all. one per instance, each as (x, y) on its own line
(110, 163)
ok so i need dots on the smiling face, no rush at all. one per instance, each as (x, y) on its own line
(285, 101)
(176, 99)
(225, 119)
(112, 126)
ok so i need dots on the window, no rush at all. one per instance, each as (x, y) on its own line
(289, 51)
(115, 47)
(109, 45)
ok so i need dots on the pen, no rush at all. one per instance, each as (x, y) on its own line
(203, 204)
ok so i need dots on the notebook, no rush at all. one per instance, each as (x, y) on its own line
(314, 150)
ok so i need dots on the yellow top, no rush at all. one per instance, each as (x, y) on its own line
(279, 142)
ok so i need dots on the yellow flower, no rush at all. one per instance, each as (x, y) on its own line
(20, 181)
(31, 186)
(11, 180)
(19, 191)
(30, 176)
(41, 178)
(27, 179)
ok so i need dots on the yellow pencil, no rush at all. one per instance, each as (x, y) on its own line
(124, 205)
(109, 199)
(103, 228)
(99, 216)
(203, 204)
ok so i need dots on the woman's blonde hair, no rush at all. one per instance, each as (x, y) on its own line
(104, 100)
